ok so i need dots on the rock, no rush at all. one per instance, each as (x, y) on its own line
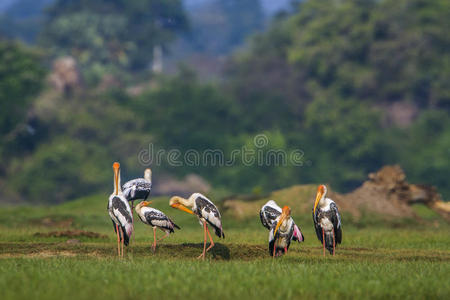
(65, 76)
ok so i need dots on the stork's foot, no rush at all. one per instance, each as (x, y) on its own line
(201, 256)
(210, 246)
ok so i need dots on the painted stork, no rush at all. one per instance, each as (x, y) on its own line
(206, 212)
(270, 212)
(281, 233)
(120, 213)
(327, 221)
(155, 218)
(138, 188)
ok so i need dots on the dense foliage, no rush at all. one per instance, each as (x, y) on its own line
(321, 85)
(111, 36)
(21, 78)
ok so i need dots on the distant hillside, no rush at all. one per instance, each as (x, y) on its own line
(386, 195)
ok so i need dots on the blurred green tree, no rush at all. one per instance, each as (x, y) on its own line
(21, 78)
(107, 36)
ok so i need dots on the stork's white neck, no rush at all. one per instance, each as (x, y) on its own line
(138, 208)
(118, 187)
(148, 175)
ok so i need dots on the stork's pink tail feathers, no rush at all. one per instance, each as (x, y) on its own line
(298, 234)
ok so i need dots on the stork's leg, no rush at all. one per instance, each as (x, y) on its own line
(166, 235)
(323, 241)
(118, 240)
(121, 241)
(274, 248)
(132, 219)
(210, 238)
(154, 239)
(334, 242)
(204, 242)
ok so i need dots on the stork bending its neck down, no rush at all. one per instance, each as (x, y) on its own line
(206, 212)
(281, 232)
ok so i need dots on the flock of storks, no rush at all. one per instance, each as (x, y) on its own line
(283, 230)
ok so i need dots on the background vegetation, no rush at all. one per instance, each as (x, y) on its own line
(353, 84)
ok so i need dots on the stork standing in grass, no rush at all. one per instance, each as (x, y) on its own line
(206, 212)
(120, 212)
(281, 233)
(156, 219)
(138, 188)
(268, 215)
(327, 221)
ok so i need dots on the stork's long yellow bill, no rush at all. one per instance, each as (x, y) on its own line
(284, 214)
(182, 207)
(318, 197)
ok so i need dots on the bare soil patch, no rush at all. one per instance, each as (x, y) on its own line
(71, 234)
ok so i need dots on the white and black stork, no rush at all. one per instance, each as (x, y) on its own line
(327, 221)
(206, 212)
(138, 188)
(155, 218)
(270, 212)
(120, 213)
(281, 233)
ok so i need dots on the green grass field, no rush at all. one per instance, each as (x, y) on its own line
(411, 260)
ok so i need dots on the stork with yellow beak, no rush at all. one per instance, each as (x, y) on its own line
(327, 221)
(281, 233)
(120, 212)
(155, 218)
(206, 212)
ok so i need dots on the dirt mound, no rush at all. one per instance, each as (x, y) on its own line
(386, 193)
(52, 222)
(71, 234)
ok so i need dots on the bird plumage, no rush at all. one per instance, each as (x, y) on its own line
(327, 220)
(120, 212)
(206, 212)
(270, 212)
(280, 240)
(156, 218)
(138, 188)
(205, 209)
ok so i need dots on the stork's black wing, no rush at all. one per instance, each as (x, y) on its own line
(123, 214)
(159, 219)
(336, 219)
(317, 226)
(207, 210)
(268, 215)
(137, 189)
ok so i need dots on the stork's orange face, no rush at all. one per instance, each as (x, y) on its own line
(285, 213)
(175, 203)
(319, 195)
(116, 167)
(146, 203)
